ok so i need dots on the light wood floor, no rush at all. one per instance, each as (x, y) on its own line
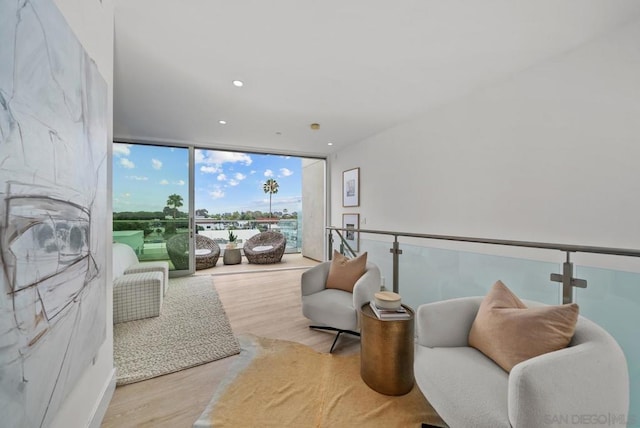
(289, 261)
(265, 304)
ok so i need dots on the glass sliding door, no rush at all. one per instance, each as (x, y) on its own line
(241, 194)
(152, 207)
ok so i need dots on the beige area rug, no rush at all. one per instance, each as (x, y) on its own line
(192, 329)
(277, 383)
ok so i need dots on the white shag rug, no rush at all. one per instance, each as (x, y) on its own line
(192, 329)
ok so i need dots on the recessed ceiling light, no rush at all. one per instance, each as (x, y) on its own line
(222, 122)
(238, 83)
(329, 144)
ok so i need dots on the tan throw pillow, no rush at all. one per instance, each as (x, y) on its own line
(345, 272)
(508, 332)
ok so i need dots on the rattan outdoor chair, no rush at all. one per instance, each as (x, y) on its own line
(265, 247)
(207, 251)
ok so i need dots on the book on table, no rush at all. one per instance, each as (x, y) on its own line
(390, 314)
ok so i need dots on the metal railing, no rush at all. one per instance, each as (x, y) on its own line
(566, 278)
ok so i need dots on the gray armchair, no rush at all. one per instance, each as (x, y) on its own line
(466, 388)
(332, 309)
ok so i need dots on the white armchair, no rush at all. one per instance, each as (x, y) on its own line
(559, 388)
(332, 309)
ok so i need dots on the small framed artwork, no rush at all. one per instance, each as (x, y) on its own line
(351, 221)
(351, 188)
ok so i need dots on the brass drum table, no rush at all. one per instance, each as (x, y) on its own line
(386, 352)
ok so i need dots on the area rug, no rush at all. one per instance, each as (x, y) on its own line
(277, 383)
(192, 329)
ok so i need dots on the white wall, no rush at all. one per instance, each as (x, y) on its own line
(550, 155)
(92, 22)
(313, 208)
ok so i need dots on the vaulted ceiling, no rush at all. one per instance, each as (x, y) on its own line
(356, 67)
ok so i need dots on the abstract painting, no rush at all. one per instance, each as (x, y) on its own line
(53, 142)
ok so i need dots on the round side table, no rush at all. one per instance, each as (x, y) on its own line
(232, 256)
(386, 352)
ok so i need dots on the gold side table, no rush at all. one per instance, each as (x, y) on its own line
(386, 352)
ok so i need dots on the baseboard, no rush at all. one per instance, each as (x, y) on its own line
(101, 408)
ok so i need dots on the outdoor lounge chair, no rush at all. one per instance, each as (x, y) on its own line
(265, 247)
(207, 251)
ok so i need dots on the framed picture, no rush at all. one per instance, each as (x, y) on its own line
(351, 221)
(351, 188)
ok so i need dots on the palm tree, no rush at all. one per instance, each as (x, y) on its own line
(174, 201)
(270, 187)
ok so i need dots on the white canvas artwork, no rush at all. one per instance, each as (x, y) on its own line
(53, 141)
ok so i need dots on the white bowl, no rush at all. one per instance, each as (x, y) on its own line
(387, 300)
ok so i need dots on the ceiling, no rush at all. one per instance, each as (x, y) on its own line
(356, 67)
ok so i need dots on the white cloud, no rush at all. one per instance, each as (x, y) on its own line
(292, 203)
(136, 177)
(253, 171)
(199, 156)
(127, 163)
(121, 149)
(233, 182)
(290, 200)
(164, 182)
(156, 164)
(212, 157)
(179, 182)
(222, 177)
(268, 173)
(209, 169)
(217, 194)
(239, 176)
(285, 172)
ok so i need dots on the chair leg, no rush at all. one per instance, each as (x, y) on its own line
(340, 331)
(334, 342)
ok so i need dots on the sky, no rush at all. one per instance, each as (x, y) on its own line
(144, 176)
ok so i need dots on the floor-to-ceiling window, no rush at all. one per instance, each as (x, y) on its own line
(162, 198)
(151, 202)
(247, 193)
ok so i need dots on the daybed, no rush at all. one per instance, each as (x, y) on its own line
(138, 288)
(568, 387)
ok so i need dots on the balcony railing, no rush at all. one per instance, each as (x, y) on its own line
(219, 230)
(422, 274)
(148, 237)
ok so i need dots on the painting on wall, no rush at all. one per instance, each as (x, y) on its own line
(351, 222)
(53, 143)
(351, 188)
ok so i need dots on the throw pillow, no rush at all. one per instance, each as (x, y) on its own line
(508, 332)
(345, 272)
